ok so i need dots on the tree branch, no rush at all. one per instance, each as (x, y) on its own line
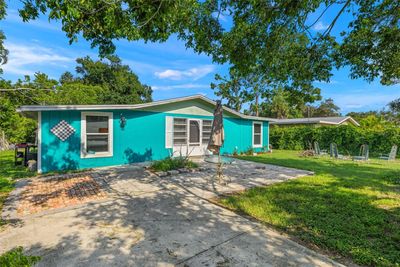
(328, 30)
(152, 16)
(319, 17)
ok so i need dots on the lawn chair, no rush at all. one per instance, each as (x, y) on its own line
(334, 152)
(318, 151)
(364, 153)
(391, 155)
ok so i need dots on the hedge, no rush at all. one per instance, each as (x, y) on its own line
(347, 137)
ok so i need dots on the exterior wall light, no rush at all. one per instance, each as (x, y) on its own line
(122, 121)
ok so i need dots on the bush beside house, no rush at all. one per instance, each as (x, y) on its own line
(348, 138)
(17, 258)
(169, 164)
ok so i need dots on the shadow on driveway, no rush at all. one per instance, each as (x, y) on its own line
(154, 222)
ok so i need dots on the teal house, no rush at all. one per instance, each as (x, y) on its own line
(89, 136)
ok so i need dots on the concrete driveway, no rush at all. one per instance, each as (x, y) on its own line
(152, 221)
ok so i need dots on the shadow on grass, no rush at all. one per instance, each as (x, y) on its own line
(381, 176)
(348, 208)
(8, 170)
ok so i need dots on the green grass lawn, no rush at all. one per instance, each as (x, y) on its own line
(8, 174)
(349, 210)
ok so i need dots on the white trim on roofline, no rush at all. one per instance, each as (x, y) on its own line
(306, 121)
(38, 108)
(39, 143)
(351, 119)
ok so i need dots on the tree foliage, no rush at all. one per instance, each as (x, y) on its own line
(394, 106)
(371, 44)
(347, 137)
(240, 89)
(16, 128)
(97, 82)
(275, 36)
(122, 83)
(383, 118)
(3, 50)
(327, 108)
(288, 102)
(231, 88)
(279, 107)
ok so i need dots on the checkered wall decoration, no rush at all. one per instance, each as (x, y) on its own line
(63, 130)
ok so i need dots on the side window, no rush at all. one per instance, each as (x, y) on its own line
(257, 134)
(97, 135)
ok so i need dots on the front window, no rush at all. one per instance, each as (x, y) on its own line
(96, 134)
(192, 132)
(257, 134)
(180, 131)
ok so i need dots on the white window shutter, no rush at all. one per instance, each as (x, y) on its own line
(169, 124)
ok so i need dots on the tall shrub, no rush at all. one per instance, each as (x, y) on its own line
(347, 137)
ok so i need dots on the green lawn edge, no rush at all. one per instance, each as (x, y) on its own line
(349, 209)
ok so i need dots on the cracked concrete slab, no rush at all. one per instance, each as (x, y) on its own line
(159, 222)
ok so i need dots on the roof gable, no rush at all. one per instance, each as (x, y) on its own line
(189, 107)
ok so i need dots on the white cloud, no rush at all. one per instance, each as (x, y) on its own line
(179, 86)
(140, 67)
(193, 73)
(320, 26)
(25, 59)
(366, 100)
(13, 16)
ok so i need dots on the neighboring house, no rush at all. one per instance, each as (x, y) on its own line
(320, 121)
(87, 136)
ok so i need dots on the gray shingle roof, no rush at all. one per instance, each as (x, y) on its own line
(36, 108)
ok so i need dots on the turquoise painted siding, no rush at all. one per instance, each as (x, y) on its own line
(142, 139)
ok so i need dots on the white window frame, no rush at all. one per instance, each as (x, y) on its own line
(173, 132)
(187, 131)
(84, 154)
(202, 132)
(261, 134)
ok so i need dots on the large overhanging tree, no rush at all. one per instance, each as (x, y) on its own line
(3, 50)
(275, 35)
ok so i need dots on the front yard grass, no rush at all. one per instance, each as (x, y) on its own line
(8, 174)
(349, 210)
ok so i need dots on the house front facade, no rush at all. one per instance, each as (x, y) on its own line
(88, 136)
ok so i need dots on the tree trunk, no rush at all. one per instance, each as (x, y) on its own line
(256, 105)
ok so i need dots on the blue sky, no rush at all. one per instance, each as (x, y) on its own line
(170, 68)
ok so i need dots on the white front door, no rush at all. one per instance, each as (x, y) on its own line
(195, 147)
